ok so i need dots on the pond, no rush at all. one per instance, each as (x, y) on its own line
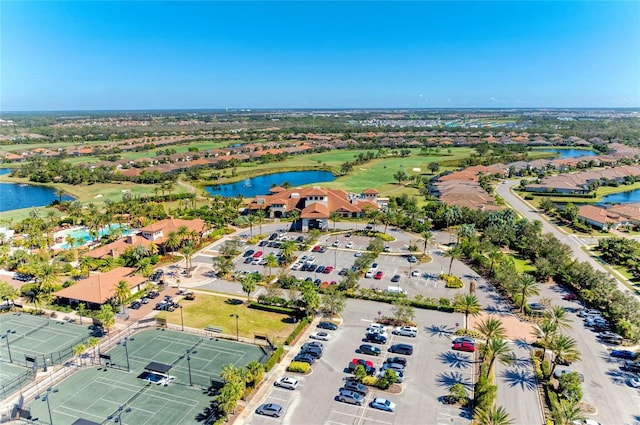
(571, 153)
(14, 196)
(260, 185)
(627, 197)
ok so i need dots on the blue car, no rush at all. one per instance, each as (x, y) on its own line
(383, 404)
(305, 358)
(624, 354)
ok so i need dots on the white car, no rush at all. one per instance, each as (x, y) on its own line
(336, 243)
(357, 254)
(296, 266)
(322, 336)
(415, 273)
(634, 382)
(287, 382)
(349, 245)
(406, 331)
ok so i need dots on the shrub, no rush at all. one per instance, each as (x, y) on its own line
(299, 367)
(274, 308)
(296, 331)
(546, 369)
(452, 281)
(275, 358)
(370, 380)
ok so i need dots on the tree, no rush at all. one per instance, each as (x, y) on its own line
(272, 261)
(260, 215)
(458, 393)
(34, 296)
(7, 292)
(93, 342)
(82, 311)
(491, 328)
(434, 167)
(567, 413)
(467, 304)
(106, 317)
(360, 373)
(86, 264)
(334, 301)
(335, 217)
(456, 254)
(78, 350)
(254, 373)
(559, 317)
(564, 348)
(426, 236)
(496, 349)
(122, 292)
(249, 283)
(526, 286)
(544, 332)
(172, 243)
(570, 386)
(224, 266)
(492, 415)
(311, 298)
(288, 248)
(402, 310)
(188, 251)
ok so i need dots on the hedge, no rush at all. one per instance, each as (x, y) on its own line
(275, 358)
(452, 281)
(301, 326)
(275, 308)
(392, 299)
(299, 367)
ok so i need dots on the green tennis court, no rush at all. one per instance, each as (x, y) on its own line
(98, 393)
(43, 339)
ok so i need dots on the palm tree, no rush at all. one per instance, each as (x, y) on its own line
(493, 416)
(335, 217)
(467, 304)
(260, 215)
(46, 277)
(544, 333)
(173, 242)
(491, 328)
(559, 317)
(93, 342)
(294, 216)
(82, 311)
(526, 286)
(272, 261)
(34, 296)
(288, 248)
(78, 350)
(86, 264)
(466, 231)
(426, 236)
(183, 233)
(496, 348)
(143, 266)
(188, 252)
(563, 347)
(254, 373)
(107, 263)
(456, 254)
(494, 256)
(122, 292)
(567, 413)
(249, 283)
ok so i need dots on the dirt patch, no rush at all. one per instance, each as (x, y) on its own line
(515, 328)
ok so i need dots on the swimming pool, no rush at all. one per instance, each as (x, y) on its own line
(82, 236)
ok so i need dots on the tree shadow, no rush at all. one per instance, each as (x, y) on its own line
(439, 330)
(494, 309)
(618, 377)
(519, 378)
(448, 379)
(455, 359)
(521, 362)
(522, 343)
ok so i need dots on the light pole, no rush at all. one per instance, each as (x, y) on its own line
(46, 398)
(237, 333)
(126, 350)
(6, 337)
(118, 417)
(188, 355)
(181, 318)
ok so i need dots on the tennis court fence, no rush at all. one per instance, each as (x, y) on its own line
(10, 386)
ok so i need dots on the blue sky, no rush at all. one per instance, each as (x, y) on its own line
(162, 55)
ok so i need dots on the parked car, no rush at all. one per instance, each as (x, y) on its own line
(368, 366)
(394, 366)
(631, 366)
(189, 295)
(312, 344)
(559, 372)
(396, 278)
(328, 269)
(405, 349)
(257, 254)
(634, 382)
(328, 325)
(336, 244)
(415, 273)
(624, 354)
(412, 259)
(314, 352)
(399, 360)
(378, 275)
(376, 337)
(464, 346)
(585, 313)
(406, 331)
(287, 382)
(369, 349)
(351, 397)
(153, 294)
(570, 296)
(356, 387)
(536, 306)
(323, 249)
(270, 409)
(322, 336)
(136, 305)
(461, 339)
(383, 404)
(349, 245)
(399, 375)
(343, 272)
(610, 337)
(248, 253)
(304, 358)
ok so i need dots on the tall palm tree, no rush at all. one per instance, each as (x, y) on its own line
(565, 348)
(426, 236)
(335, 217)
(493, 416)
(260, 215)
(188, 251)
(272, 261)
(526, 286)
(183, 233)
(455, 253)
(567, 413)
(544, 332)
(494, 256)
(467, 304)
(34, 296)
(78, 350)
(496, 349)
(172, 243)
(288, 248)
(122, 292)
(294, 216)
(491, 328)
(559, 317)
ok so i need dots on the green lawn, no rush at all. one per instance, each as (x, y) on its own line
(523, 266)
(212, 310)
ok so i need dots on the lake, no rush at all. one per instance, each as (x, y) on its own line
(14, 196)
(570, 153)
(621, 198)
(260, 185)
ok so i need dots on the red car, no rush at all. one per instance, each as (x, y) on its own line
(378, 275)
(328, 269)
(257, 254)
(570, 297)
(464, 346)
(316, 248)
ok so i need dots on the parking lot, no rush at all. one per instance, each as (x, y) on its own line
(431, 369)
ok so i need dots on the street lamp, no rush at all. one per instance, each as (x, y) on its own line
(6, 337)
(237, 333)
(118, 417)
(188, 355)
(181, 319)
(126, 350)
(46, 398)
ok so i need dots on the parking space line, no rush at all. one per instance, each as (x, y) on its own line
(361, 417)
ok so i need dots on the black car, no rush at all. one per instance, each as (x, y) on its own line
(263, 243)
(248, 260)
(305, 358)
(369, 349)
(328, 325)
(248, 253)
(315, 352)
(273, 236)
(136, 305)
(343, 272)
(398, 360)
(624, 354)
(356, 387)
(320, 269)
(405, 349)
(153, 294)
(376, 338)
(395, 278)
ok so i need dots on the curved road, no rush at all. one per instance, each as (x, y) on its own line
(574, 242)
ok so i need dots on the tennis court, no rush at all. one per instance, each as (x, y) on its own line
(14, 377)
(47, 341)
(97, 393)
